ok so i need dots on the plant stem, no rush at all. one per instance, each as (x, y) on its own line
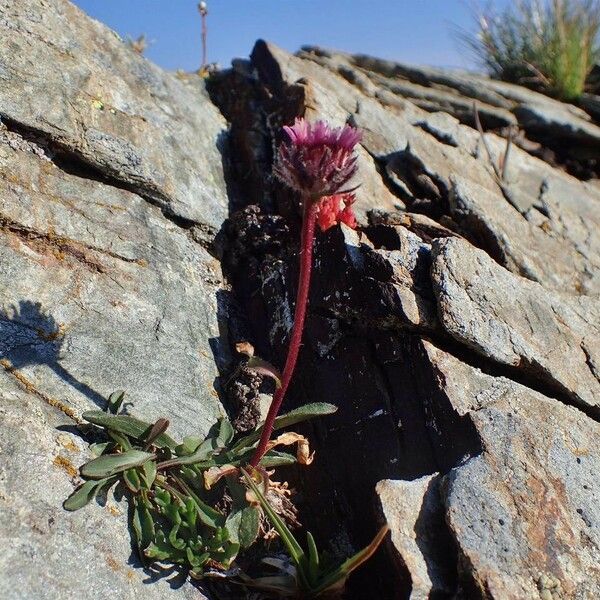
(306, 248)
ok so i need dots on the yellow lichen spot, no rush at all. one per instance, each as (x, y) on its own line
(29, 387)
(112, 563)
(67, 442)
(580, 451)
(97, 104)
(66, 465)
(113, 510)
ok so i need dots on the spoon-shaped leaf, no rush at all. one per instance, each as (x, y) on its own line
(105, 466)
(303, 413)
(127, 425)
(82, 495)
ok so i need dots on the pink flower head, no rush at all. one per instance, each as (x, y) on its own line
(336, 209)
(317, 160)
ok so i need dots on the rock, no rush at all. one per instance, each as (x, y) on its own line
(112, 110)
(414, 512)
(552, 246)
(556, 119)
(51, 554)
(524, 512)
(561, 127)
(516, 322)
(105, 283)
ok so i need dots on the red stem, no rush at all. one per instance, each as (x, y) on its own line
(306, 248)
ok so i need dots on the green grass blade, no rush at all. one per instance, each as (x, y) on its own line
(282, 529)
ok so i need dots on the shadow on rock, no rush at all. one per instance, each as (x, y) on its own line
(29, 336)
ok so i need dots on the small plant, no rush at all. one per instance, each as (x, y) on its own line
(313, 573)
(139, 45)
(547, 45)
(317, 162)
(174, 487)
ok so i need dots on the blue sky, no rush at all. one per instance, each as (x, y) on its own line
(414, 31)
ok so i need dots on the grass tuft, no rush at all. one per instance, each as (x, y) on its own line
(550, 45)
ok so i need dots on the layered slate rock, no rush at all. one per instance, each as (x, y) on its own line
(567, 130)
(71, 79)
(550, 336)
(111, 188)
(501, 273)
(523, 512)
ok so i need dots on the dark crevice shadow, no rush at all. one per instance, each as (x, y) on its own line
(29, 336)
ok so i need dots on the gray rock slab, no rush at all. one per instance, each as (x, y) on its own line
(76, 82)
(524, 513)
(414, 512)
(557, 248)
(556, 120)
(516, 322)
(50, 554)
(99, 290)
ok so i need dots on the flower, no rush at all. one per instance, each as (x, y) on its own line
(317, 160)
(336, 209)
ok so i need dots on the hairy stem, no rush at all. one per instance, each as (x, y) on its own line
(306, 248)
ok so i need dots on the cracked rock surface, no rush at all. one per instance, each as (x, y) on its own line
(458, 333)
(457, 329)
(102, 287)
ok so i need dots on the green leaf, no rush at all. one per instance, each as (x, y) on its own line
(176, 542)
(127, 425)
(207, 514)
(200, 457)
(149, 473)
(249, 526)
(122, 441)
(274, 458)
(105, 466)
(226, 432)
(132, 480)
(336, 578)
(114, 402)
(189, 446)
(143, 524)
(243, 525)
(313, 559)
(303, 413)
(82, 495)
(99, 448)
